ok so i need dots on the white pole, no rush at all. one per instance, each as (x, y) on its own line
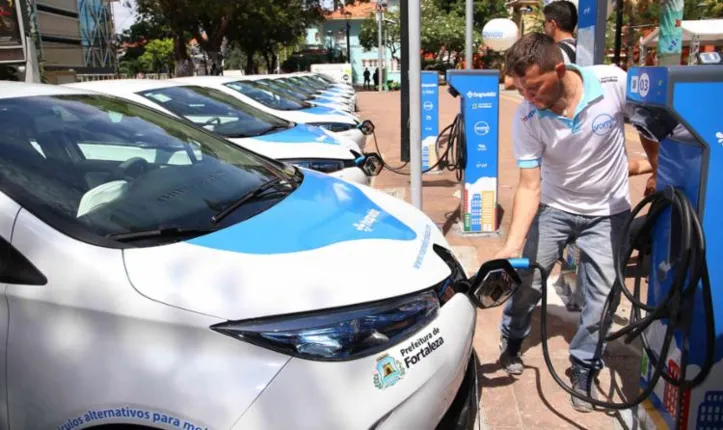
(469, 21)
(379, 46)
(415, 100)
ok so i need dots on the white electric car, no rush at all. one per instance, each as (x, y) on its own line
(313, 89)
(297, 96)
(249, 92)
(299, 144)
(317, 82)
(277, 82)
(159, 276)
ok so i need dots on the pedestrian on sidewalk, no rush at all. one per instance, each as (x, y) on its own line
(570, 130)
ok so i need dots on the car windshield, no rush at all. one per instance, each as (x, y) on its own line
(293, 85)
(285, 89)
(266, 97)
(216, 111)
(313, 84)
(93, 166)
(322, 77)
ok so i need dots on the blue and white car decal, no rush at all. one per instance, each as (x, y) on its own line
(320, 110)
(302, 133)
(325, 210)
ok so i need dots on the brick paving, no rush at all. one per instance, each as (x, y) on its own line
(532, 400)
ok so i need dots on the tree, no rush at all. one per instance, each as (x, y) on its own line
(392, 33)
(158, 56)
(173, 15)
(261, 29)
(442, 32)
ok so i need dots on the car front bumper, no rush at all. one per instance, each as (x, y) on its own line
(356, 136)
(416, 384)
(353, 174)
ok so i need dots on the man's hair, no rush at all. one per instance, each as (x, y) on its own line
(564, 13)
(530, 50)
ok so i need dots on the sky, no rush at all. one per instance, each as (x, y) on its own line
(122, 16)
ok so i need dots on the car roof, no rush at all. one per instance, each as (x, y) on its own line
(121, 86)
(207, 79)
(13, 89)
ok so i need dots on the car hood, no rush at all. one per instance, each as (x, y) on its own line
(328, 244)
(301, 141)
(324, 110)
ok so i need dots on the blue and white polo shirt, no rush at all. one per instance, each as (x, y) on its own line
(584, 163)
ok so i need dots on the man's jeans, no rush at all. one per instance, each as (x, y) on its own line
(599, 239)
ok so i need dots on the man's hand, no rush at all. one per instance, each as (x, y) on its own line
(506, 253)
(650, 185)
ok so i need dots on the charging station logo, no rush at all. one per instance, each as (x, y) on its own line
(644, 85)
(476, 95)
(428, 105)
(481, 128)
(602, 124)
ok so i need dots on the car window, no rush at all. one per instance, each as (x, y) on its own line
(265, 97)
(291, 84)
(216, 111)
(301, 80)
(94, 165)
(279, 86)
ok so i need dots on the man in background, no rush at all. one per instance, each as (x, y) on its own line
(560, 22)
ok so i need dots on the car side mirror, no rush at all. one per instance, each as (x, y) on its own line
(372, 164)
(495, 282)
(366, 127)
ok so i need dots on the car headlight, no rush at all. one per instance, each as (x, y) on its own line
(320, 165)
(339, 334)
(335, 127)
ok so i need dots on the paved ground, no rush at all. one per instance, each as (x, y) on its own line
(532, 401)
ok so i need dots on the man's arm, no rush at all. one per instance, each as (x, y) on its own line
(524, 209)
(651, 151)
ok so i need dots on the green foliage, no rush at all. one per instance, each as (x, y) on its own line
(369, 36)
(158, 56)
(442, 29)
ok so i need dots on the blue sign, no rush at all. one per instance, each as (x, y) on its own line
(430, 119)
(590, 32)
(648, 85)
(480, 105)
(690, 160)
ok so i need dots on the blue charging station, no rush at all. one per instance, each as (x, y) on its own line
(430, 119)
(478, 91)
(680, 106)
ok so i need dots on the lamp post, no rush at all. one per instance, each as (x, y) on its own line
(380, 59)
(347, 15)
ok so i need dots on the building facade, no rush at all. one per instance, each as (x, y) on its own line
(331, 34)
(75, 35)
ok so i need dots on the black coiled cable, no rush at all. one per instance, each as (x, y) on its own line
(676, 307)
(454, 157)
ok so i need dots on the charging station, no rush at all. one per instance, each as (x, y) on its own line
(430, 120)
(478, 91)
(679, 106)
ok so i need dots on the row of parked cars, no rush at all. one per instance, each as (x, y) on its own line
(304, 119)
(204, 253)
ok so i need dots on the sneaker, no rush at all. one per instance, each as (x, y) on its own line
(582, 383)
(510, 357)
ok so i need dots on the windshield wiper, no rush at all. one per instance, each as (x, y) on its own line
(243, 199)
(161, 232)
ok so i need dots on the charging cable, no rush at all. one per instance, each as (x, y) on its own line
(676, 307)
(454, 157)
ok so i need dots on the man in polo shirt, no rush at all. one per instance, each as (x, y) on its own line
(570, 129)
